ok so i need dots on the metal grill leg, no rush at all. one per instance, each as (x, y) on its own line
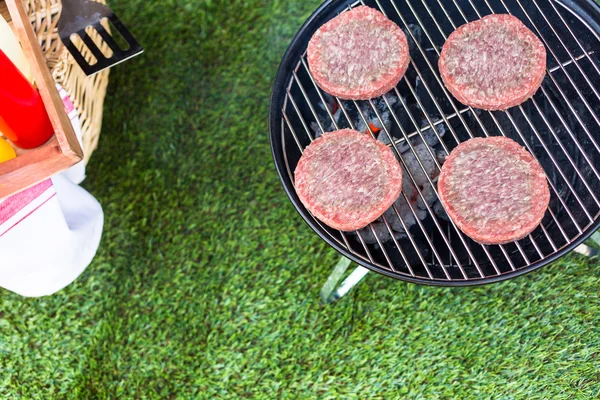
(588, 250)
(331, 291)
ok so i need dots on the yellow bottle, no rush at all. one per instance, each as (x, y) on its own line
(9, 44)
(6, 151)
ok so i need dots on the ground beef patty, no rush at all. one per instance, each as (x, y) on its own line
(494, 190)
(358, 55)
(347, 179)
(493, 63)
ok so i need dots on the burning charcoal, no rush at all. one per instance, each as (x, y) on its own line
(401, 124)
(337, 114)
(428, 105)
(407, 187)
(324, 117)
(402, 146)
(421, 214)
(331, 102)
(419, 174)
(438, 209)
(429, 195)
(316, 130)
(325, 123)
(441, 156)
(361, 127)
(431, 138)
(403, 209)
(417, 36)
(383, 110)
(384, 138)
(381, 231)
(373, 119)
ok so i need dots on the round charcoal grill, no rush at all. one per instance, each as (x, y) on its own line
(414, 240)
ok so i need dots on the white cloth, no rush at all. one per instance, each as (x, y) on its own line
(49, 233)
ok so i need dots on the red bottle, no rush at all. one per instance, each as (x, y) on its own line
(23, 118)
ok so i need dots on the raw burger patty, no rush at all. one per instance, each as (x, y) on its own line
(494, 190)
(493, 63)
(347, 179)
(358, 55)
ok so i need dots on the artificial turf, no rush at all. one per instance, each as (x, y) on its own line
(206, 282)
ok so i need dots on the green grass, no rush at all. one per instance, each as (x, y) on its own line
(206, 282)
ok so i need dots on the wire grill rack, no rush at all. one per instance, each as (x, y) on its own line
(559, 126)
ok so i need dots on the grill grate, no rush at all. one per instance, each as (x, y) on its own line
(422, 123)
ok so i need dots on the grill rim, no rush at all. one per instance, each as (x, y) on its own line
(587, 10)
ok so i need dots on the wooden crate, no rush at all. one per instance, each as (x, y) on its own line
(63, 149)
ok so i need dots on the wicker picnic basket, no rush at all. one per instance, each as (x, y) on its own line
(87, 93)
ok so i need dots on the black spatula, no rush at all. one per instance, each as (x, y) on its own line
(76, 16)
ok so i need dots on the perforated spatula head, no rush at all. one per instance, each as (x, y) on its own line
(76, 16)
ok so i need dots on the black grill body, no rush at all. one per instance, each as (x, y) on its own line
(422, 122)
